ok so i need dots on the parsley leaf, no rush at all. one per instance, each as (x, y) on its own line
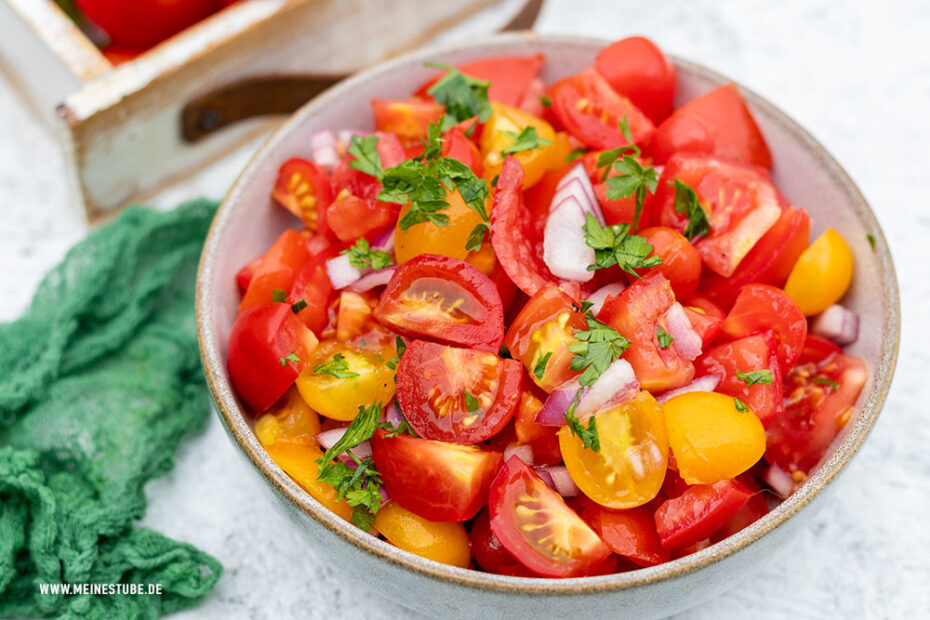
(365, 151)
(540, 368)
(278, 296)
(872, 240)
(828, 382)
(476, 236)
(546, 100)
(400, 345)
(613, 245)
(337, 367)
(359, 430)
(740, 405)
(762, 377)
(362, 517)
(597, 348)
(290, 357)
(402, 428)
(471, 402)
(634, 179)
(392, 363)
(588, 435)
(298, 306)
(361, 256)
(526, 140)
(663, 337)
(463, 96)
(575, 154)
(687, 204)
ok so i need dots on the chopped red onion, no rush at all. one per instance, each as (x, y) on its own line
(615, 385)
(707, 383)
(576, 182)
(685, 340)
(562, 481)
(329, 438)
(564, 249)
(324, 151)
(598, 297)
(524, 452)
(780, 480)
(392, 414)
(558, 402)
(372, 279)
(837, 323)
(341, 272)
(385, 241)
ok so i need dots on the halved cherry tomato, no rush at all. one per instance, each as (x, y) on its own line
(746, 355)
(427, 238)
(313, 286)
(353, 315)
(636, 68)
(453, 394)
(740, 203)
(488, 551)
(299, 461)
(445, 542)
(445, 299)
(699, 512)
(590, 110)
(753, 510)
(630, 533)
(718, 123)
(535, 525)
(680, 261)
(629, 468)
(268, 348)
(819, 401)
(539, 336)
(278, 270)
(455, 144)
(510, 76)
(706, 318)
(500, 132)
(408, 119)
(303, 188)
(769, 261)
(542, 439)
(512, 233)
(634, 313)
(290, 418)
(822, 274)
(816, 349)
(351, 217)
(760, 307)
(438, 481)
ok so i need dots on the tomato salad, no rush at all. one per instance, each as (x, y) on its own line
(547, 330)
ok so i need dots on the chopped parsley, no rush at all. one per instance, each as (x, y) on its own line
(278, 296)
(872, 240)
(361, 256)
(365, 151)
(761, 377)
(400, 345)
(614, 245)
(740, 405)
(403, 428)
(664, 339)
(290, 357)
(588, 435)
(575, 154)
(597, 348)
(546, 100)
(526, 140)
(297, 307)
(463, 96)
(540, 368)
(633, 179)
(687, 204)
(471, 402)
(392, 363)
(829, 382)
(337, 367)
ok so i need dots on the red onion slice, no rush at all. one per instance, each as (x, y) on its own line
(323, 147)
(615, 385)
(341, 272)
(557, 477)
(524, 452)
(780, 480)
(392, 414)
(685, 340)
(576, 182)
(385, 241)
(837, 323)
(707, 383)
(553, 410)
(329, 438)
(598, 297)
(564, 249)
(372, 279)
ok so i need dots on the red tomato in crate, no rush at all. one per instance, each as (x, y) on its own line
(444, 299)
(699, 512)
(636, 68)
(510, 76)
(535, 524)
(268, 347)
(453, 394)
(718, 123)
(488, 551)
(438, 481)
(591, 111)
(760, 307)
(630, 533)
(143, 23)
(303, 188)
(278, 270)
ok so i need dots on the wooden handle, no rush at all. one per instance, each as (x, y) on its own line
(281, 94)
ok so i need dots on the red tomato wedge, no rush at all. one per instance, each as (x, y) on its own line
(312, 285)
(350, 217)
(760, 307)
(630, 533)
(769, 261)
(512, 233)
(438, 481)
(706, 318)
(753, 510)
(816, 349)
(591, 111)
(535, 524)
(636, 68)
(718, 123)
(488, 551)
(747, 355)
(635, 313)
(510, 76)
(244, 275)
(699, 512)
(819, 401)
(303, 188)
(542, 439)
(268, 347)
(453, 394)
(278, 270)
(408, 119)
(680, 261)
(444, 299)
(455, 144)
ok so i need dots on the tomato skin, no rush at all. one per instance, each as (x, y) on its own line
(635, 313)
(769, 261)
(572, 551)
(748, 354)
(817, 349)
(706, 318)
(760, 307)
(313, 286)
(822, 274)
(590, 110)
(144, 23)
(446, 543)
(482, 323)
(753, 510)
(304, 189)
(699, 512)
(289, 419)
(455, 144)
(718, 123)
(636, 68)
(543, 439)
(261, 337)
(681, 264)
(298, 460)
(244, 275)
(510, 76)
(496, 138)
(426, 238)
(428, 372)
(438, 481)
(630, 533)
(488, 551)
(408, 119)
(351, 217)
(278, 270)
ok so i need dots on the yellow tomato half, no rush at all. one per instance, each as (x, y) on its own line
(339, 396)
(711, 438)
(440, 541)
(559, 151)
(629, 468)
(427, 238)
(299, 462)
(496, 137)
(822, 274)
(289, 417)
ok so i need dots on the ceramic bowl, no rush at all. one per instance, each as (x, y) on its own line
(248, 222)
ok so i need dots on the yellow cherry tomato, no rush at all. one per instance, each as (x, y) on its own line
(711, 438)
(629, 468)
(356, 378)
(484, 259)
(440, 541)
(290, 417)
(494, 140)
(299, 462)
(559, 151)
(427, 238)
(822, 274)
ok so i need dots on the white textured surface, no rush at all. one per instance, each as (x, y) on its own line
(857, 74)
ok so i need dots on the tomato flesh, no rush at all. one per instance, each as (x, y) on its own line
(699, 512)
(636, 68)
(303, 188)
(760, 307)
(630, 533)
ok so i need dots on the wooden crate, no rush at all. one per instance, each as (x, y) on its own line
(122, 128)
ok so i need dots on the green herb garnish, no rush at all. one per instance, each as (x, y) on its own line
(761, 377)
(365, 151)
(362, 256)
(664, 339)
(290, 357)
(278, 296)
(687, 204)
(337, 367)
(828, 382)
(463, 96)
(588, 435)
(614, 245)
(740, 405)
(597, 348)
(540, 368)
(526, 140)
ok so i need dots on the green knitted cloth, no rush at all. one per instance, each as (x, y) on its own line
(99, 382)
